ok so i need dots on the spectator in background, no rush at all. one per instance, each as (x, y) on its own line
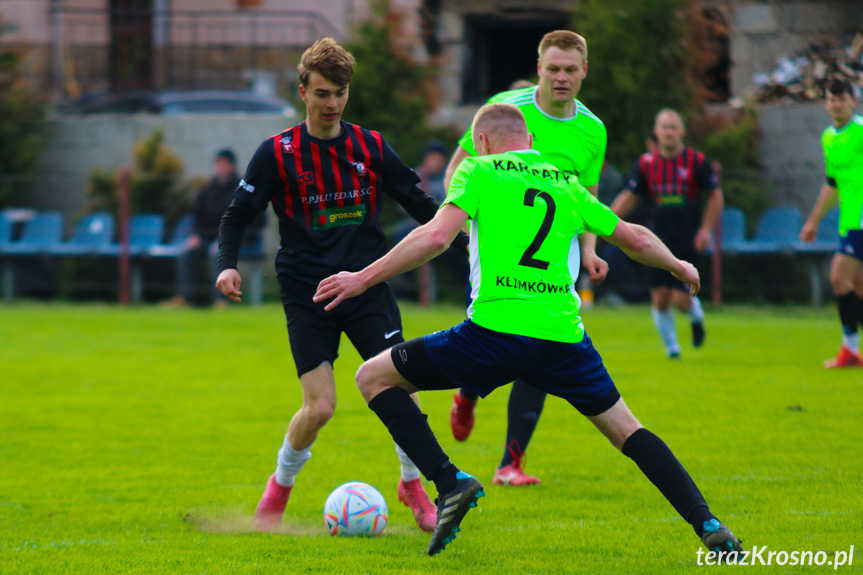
(203, 243)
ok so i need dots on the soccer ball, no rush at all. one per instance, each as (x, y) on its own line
(355, 508)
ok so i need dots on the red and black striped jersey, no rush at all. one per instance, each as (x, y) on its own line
(328, 196)
(672, 186)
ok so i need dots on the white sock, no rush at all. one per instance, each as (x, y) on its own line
(696, 312)
(409, 470)
(852, 341)
(667, 330)
(290, 463)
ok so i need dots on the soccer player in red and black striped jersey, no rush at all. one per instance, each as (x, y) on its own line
(672, 178)
(326, 180)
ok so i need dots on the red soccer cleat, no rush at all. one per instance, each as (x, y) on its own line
(412, 494)
(513, 474)
(845, 358)
(268, 514)
(461, 416)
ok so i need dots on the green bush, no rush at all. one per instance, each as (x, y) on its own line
(22, 126)
(156, 183)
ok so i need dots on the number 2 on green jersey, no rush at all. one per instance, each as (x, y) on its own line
(527, 258)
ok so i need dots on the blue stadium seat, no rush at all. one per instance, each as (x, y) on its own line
(92, 234)
(777, 231)
(41, 235)
(5, 231)
(733, 230)
(826, 239)
(175, 247)
(145, 232)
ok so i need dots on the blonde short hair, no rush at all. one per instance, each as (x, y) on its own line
(329, 60)
(499, 120)
(565, 40)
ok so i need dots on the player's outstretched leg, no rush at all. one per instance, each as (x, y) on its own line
(452, 506)
(461, 415)
(663, 469)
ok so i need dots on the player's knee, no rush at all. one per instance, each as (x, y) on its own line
(321, 412)
(366, 381)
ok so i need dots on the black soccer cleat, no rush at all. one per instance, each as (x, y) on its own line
(719, 538)
(451, 509)
(698, 333)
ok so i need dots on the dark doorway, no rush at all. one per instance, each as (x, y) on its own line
(500, 50)
(131, 60)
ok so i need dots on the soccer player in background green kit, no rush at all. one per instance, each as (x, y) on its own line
(523, 321)
(572, 138)
(843, 158)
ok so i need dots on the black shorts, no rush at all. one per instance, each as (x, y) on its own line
(684, 250)
(371, 321)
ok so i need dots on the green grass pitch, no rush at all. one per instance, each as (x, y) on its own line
(139, 441)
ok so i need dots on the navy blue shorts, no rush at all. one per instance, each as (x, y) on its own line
(480, 360)
(851, 244)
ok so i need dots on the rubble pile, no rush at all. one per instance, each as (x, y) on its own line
(803, 77)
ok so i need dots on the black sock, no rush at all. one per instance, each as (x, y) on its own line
(468, 394)
(523, 411)
(849, 312)
(859, 311)
(662, 468)
(410, 430)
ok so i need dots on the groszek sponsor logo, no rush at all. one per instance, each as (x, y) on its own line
(344, 216)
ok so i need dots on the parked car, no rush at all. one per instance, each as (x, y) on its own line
(179, 102)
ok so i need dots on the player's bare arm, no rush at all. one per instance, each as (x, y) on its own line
(624, 203)
(642, 245)
(711, 216)
(827, 198)
(421, 245)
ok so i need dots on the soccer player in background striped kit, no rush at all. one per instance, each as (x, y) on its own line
(671, 178)
(573, 139)
(843, 159)
(326, 180)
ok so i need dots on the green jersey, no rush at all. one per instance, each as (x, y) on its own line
(524, 214)
(574, 145)
(843, 157)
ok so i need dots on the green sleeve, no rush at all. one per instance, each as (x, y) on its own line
(462, 188)
(466, 142)
(598, 218)
(590, 176)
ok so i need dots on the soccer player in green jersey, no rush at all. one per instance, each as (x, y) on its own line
(524, 319)
(843, 158)
(573, 139)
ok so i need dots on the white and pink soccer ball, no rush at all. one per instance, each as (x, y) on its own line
(355, 508)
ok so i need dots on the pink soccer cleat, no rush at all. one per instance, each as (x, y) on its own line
(412, 494)
(268, 514)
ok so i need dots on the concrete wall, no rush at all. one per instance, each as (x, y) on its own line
(79, 144)
(791, 148)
